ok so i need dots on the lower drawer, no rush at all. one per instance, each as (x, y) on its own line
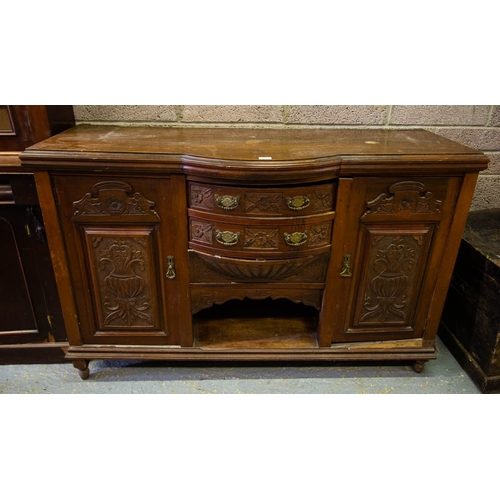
(209, 269)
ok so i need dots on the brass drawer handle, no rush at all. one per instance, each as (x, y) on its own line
(171, 267)
(295, 239)
(227, 202)
(346, 267)
(227, 238)
(298, 202)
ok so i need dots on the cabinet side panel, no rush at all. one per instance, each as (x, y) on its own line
(452, 245)
(58, 255)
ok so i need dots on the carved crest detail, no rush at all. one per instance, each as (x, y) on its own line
(114, 198)
(407, 196)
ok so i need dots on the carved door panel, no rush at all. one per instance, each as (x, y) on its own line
(384, 272)
(123, 281)
(125, 274)
(390, 267)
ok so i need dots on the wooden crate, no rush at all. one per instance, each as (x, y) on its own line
(470, 324)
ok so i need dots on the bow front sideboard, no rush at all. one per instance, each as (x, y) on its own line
(252, 244)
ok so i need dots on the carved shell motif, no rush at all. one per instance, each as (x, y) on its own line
(241, 269)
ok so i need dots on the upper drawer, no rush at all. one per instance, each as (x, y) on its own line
(262, 202)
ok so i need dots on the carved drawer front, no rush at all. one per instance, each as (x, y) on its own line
(259, 240)
(405, 198)
(262, 202)
(207, 268)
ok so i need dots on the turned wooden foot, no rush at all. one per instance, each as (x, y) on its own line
(418, 366)
(82, 365)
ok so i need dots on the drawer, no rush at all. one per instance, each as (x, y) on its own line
(258, 238)
(205, 268)
(262, 202)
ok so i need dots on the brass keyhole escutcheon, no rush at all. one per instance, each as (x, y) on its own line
(346, 267)
(171, 267)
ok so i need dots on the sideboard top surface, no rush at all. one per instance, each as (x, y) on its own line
(252, 154)
(249, 144)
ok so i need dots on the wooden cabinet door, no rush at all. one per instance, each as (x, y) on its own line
(127, 253)
(383, 274)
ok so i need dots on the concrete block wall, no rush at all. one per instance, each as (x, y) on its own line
(474, 126)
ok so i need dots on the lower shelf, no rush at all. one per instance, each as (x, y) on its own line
(271, 333)
(248, 324)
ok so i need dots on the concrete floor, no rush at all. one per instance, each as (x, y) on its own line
(441, 376)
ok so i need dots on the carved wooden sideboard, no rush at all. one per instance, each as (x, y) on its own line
(243, 244)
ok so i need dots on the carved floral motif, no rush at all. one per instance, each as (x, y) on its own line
(201, 197)
(319, 235)
(392, 271)
(323, 200)
(126, 295)
(259, 238)
(201, 231)
(261, 203)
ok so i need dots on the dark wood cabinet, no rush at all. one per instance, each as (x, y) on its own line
(31, 322)
(192, 243)
(30, 312)
(399, 226)
(126, 257)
